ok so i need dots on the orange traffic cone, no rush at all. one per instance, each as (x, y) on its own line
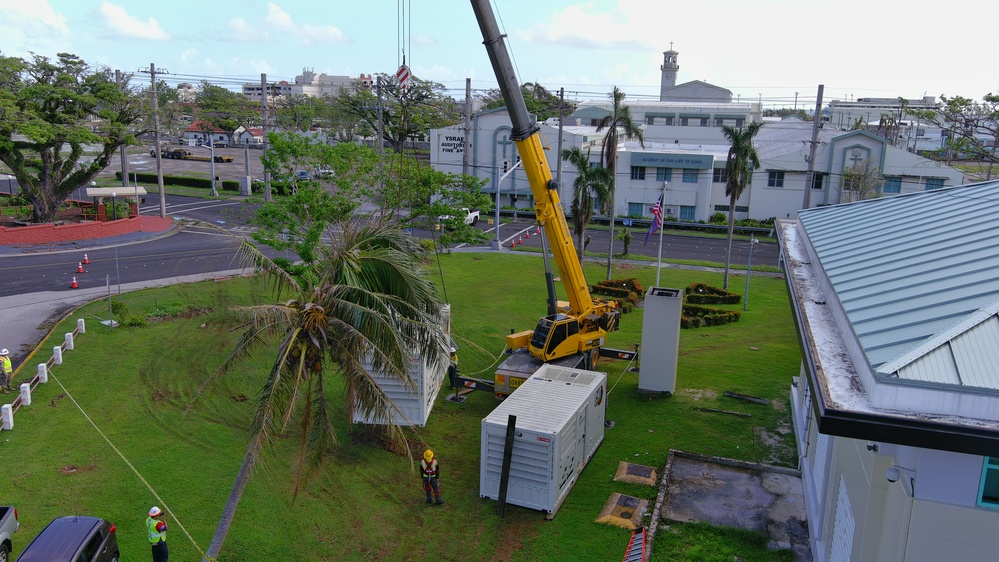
(74, 285)
(79, 267)
(86, 259)
(513, 244)
(528, 234)
(538, 232)
(520, 240)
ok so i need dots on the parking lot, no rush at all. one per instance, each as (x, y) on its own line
(140, 161)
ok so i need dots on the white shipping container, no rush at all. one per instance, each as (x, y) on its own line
(560, 424)
(414, 403)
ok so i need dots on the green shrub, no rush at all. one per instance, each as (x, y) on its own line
(699, 293)
(718, 218)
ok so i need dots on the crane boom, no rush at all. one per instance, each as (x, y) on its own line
(582, 327)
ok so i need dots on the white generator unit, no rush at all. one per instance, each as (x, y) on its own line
(413, 403)
(560, 424)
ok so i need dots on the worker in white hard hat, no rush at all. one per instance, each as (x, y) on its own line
(6, 371)
(430, 470)
(157, 528)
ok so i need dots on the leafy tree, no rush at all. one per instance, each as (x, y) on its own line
(49, 111)
(589, 186)
(407, 113)
(862, 181)
(340, 123)
(539, 100)
(297, 111)
(742, 160)
(619, 118)
(973, 125)
(223, 109)
(404, 190)
(362, 301)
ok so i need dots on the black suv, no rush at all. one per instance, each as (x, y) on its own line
(74, 539)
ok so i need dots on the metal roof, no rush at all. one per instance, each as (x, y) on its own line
(918, 277)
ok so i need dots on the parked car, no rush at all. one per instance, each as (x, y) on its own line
(303, 175)
(75, 538)
(8, 526)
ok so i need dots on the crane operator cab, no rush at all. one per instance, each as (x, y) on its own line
(559, 335)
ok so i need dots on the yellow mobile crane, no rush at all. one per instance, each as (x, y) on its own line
(570, 335)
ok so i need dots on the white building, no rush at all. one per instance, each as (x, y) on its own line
(308, 84)
(896, 407)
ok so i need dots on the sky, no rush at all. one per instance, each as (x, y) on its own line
(774, 51)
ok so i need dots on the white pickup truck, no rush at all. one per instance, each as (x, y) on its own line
(469, 216)
(8, 526)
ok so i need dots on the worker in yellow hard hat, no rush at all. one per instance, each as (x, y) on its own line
(430, 470)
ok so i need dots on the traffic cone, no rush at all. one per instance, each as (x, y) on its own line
(538, 232)
(528, 234)
(79, 267)
(86, 259)
(74, 285)
(520, 240)
(513, 244)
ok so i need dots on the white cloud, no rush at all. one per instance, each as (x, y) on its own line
(243, 30)
(33, 26)
(307, 33)
(580, 27)
(188, 55)
(120, 22)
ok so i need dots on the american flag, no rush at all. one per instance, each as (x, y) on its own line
(657, 217)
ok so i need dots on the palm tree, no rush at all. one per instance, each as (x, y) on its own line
(742, 160)
(363, 301)
(619, 118)
(589, 186)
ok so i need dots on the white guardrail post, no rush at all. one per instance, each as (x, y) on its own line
(25, 394)
(69, 340)
(81, 326)
(57, 355)
(7, 417)
(42, 373)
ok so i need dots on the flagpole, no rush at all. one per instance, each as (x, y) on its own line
(662, 227)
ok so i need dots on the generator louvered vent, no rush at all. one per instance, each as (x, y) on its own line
(571, 376)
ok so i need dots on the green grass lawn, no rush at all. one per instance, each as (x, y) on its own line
(140, 387)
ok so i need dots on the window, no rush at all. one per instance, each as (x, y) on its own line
(664, 174)
(893, 184)
(718, 175)
(638, 172)
(687, 213)
(775, 179)
(690, 176)
(817, 179)
(738, 208)
(636, 210)
(934, 183)
(988, 489)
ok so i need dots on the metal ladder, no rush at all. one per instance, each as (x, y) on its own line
(636, 547)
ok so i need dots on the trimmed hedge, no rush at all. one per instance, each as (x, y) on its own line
(695, 316)
(184, 181)
(625, 292)
(699, 293)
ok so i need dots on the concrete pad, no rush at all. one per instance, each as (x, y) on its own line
(731, 493)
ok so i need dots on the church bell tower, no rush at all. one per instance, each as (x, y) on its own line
(669, 69)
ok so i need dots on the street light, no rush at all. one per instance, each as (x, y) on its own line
(114, 213)
(749, 269)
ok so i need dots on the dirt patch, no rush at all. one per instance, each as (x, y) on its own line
(513, 539)
(698, 394)
(74, 469)
(162, 395)
(70, 215)
(56, 399)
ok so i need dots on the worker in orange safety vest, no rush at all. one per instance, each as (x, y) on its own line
(430, 471)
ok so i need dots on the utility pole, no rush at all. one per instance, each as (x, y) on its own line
(466, 157)
(263, 132)
(381, 126)
(810, 176)
(156, 130)
(121, 151)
